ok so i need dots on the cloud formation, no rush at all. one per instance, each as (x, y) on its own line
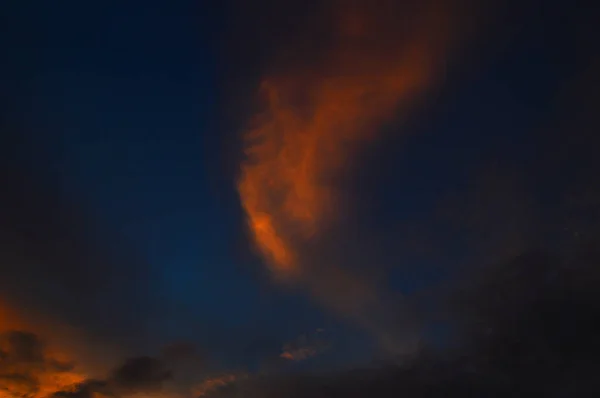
(527, 326)
(29, 369)
(305, 346)
(137, 376)
(376, 60)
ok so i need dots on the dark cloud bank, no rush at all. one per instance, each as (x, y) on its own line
(136, 375)
(528, 326)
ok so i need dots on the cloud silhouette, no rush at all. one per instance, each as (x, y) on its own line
(139, 375)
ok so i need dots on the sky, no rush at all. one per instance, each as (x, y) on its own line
(266, 181)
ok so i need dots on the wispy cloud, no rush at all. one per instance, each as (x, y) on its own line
(379, 60)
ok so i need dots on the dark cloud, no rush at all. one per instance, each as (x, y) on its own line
(142, 373)
(87, 389)
(136, 375)
(23, 346)
(180, 351)
(527, 326)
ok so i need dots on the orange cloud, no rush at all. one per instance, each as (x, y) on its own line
(380, 59)
(39, 356)
(29, 369)
(42, 358)
(299, 354)
(294, 150)
(213, 383)
(304, 347)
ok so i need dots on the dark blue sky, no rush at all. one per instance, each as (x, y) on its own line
(125, 102)
(121, 99)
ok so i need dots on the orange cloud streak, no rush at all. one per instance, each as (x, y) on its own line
(381, 58)
(294, 149)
